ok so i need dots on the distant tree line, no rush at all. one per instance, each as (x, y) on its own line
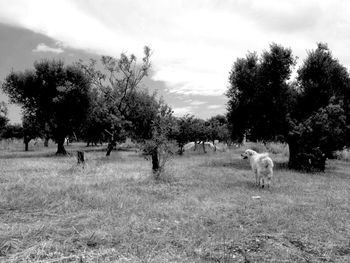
(99, 102)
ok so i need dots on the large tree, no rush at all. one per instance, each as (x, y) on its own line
(259, 95)
(55, 94)
(319, 122)
(312, 113)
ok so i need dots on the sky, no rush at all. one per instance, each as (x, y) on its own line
(194, 43)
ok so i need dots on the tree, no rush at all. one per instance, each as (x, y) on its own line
(200, 132)
(312, 113)
(97, 121)
(31, 129)
(319, 122)
(182, 133)
(13, 131)
(259, 94)
(218, 129)
(117, 83)
(242, 94)
(55, 94)
(159, 145)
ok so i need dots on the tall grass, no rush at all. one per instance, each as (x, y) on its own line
(52, 210)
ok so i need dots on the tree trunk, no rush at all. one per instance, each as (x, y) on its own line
(155, 162)
(112, 143)
(293, 151)
(195, 146)
(181, 150)
(26, 141)
(203, 144)
(110, 148)
(60, 147)
(80, 157)
(46, 142)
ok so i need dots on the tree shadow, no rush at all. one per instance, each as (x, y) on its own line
(241, 164)
(29, 154)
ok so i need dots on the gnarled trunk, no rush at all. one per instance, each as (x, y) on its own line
(110, 148)
(26, 141)
(46, 142)
(155, 162)
(293, 151)
(60, 146)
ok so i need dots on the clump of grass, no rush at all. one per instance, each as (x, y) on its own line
(255, 146)
(278, 148)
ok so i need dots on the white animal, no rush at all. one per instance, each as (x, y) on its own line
(188, 146)
(262, 166)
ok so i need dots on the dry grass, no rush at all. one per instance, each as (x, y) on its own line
(52, 210)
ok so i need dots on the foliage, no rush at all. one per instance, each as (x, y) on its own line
(218, 129)
(183, 132)
(159, 145)
(319, 124)
(312, 114)
(32, 128)
(56, 95)
(13, 131)
(259, 96)
(115, 87)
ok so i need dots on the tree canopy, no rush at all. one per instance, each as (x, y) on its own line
(311, 113)
(57, 95)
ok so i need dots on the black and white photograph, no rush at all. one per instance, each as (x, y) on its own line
(174, 131)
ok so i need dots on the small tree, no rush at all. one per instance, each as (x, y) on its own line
(159, 146)
(32, 129)
(218, 129)
(319, 122)
(117, 84)
(182, 132)
(200, 132)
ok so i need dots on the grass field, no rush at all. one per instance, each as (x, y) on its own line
(206, 210)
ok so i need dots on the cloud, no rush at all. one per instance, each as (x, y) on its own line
(195, 42)
(181, 111)
(216, 107)
(44, 48)
(196, 102)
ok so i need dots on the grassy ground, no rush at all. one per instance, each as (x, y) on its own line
(208, 210)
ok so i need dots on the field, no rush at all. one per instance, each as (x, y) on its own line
(207, 209)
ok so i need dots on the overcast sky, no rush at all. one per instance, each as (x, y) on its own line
(194, 42)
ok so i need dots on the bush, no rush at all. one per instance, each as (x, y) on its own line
(315, 139)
